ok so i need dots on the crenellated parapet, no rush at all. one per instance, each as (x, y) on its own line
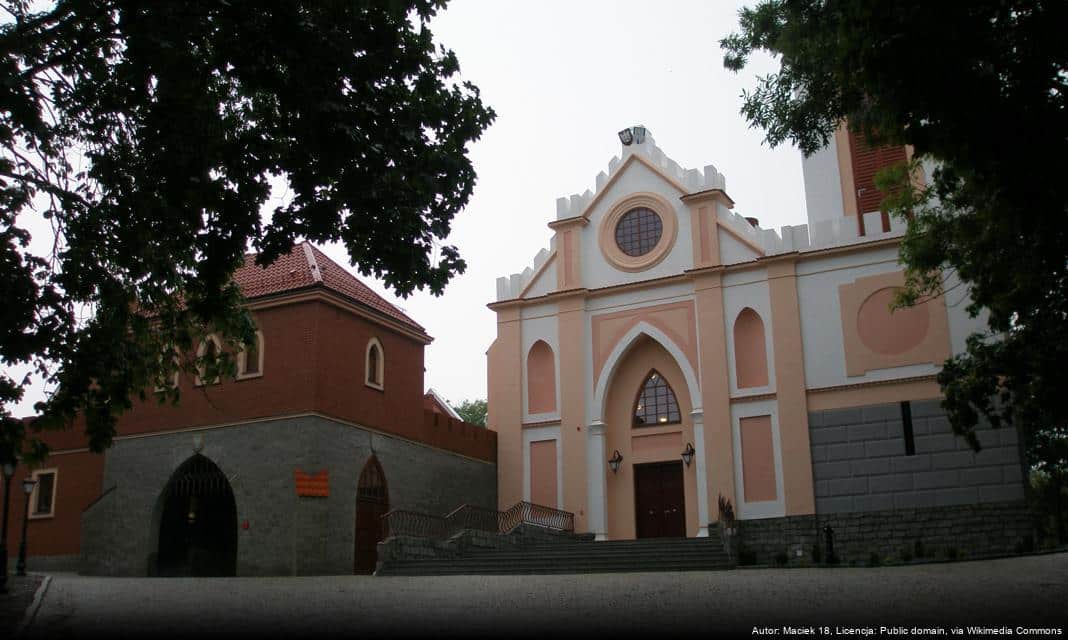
(511, 286)
(820, 234)
(690, 180)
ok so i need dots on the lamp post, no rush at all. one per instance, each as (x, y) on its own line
(9, 470)
(28, 483)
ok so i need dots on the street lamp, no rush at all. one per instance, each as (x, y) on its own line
(9, 470)
(28, 483)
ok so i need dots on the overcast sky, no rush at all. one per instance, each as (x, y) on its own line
(564, 77)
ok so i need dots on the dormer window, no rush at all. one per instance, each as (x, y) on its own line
(375, 365)
(638, 231)
(656, 403)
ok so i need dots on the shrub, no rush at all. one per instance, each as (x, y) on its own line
(917, 549)
(781, 558)
(817, 553)
(874, 560)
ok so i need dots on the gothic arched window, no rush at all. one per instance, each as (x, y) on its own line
(375, 365)
(656, 402)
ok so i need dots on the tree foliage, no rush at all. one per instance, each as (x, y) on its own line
(149, 135)
(979, 90)
(473, 411)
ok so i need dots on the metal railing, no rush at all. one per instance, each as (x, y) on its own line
(537, 515)
(399, 522)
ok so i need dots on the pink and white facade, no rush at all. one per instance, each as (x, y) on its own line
(756, 333)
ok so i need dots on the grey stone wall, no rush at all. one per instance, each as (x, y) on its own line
(859, 461)
(399, 549)
(286, 534)
(892, 535)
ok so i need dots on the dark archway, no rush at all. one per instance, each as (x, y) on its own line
(372, 502)
(198, 524)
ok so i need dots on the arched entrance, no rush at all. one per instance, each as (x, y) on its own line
(648, 420)
(198, 524)
(372, 502)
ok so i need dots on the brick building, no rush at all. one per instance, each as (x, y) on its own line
(284, 470)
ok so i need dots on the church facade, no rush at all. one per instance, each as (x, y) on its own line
(665, 352)
(285, 470)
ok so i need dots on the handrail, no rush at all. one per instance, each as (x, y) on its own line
(398, 522)
(414, 523)
(537, 515)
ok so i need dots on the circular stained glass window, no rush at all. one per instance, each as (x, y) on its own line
(638, 231)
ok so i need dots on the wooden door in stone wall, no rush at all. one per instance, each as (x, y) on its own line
(372, 502)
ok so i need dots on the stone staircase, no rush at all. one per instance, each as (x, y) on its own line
(574, 554)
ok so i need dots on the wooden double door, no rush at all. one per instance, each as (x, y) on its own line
(659, 500)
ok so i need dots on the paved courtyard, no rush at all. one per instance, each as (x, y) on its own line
(1027, 592)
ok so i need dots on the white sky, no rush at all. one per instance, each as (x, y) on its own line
(564, 77)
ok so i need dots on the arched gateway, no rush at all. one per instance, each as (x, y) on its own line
(372, 502)
(198, 524)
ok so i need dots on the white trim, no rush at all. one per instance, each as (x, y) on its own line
(380, 384)
(448, 408)
(201, 350)
(765, 509)
(623, 346)
(596, 468)
(541, 434)
(242, 360)
(313, 264)
(701, 469)
(33, 515)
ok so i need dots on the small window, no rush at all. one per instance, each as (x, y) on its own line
(375, 365)
(209, 348)
(43, 500)
(656, 403)
(638, 231)
(172, 381)
(250, 360)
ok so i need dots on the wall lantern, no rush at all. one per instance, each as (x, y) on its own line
(687, 454)
(617, 459)
(626, 137)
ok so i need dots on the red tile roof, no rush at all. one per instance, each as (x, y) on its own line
(306, 266)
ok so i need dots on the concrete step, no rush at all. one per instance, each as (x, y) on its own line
(545, 569)
(680, 554)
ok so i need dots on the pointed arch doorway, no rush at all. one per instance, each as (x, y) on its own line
(648, 419)
(372, 502)
(198, 522)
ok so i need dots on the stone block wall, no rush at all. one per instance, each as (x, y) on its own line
(859, 461)
(286, 534)
(892, 535)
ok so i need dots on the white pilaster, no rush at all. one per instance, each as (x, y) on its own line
(595, 470)
(702, 472)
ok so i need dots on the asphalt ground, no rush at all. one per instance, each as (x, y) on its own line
(1024, 595)
(14, 603)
